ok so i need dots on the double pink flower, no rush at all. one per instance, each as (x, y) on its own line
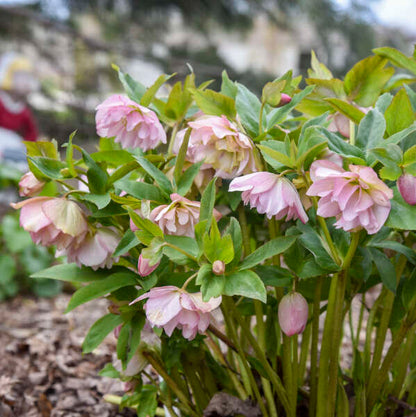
(270, 194)
(171, 307)
(132, 125)
(217, 141)
(357, 198)
(179, 217)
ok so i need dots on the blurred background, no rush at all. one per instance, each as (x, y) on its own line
(72, 44)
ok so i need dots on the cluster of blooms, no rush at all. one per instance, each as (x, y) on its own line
(357, 198)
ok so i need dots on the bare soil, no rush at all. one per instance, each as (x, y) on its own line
(42, 370)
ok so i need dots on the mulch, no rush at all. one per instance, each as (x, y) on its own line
(42, 370)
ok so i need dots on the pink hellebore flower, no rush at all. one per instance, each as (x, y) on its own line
(284, 99)
(143, 267)
(218, 142)
(407, 188)
(132, 125)
(95, 250)
(171, 307)
(29, 185)
(357, 198)
(293, 314)
(52, 221)
(270, 194)
(179, 217)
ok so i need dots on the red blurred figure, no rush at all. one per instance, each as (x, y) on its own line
(16, 82)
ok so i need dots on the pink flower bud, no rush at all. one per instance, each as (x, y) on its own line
(29, 185)
(218, 267)
(293, 314)
(143, 267)
(284, 99)
(407, 187)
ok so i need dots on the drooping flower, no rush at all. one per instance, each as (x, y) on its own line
(132, 125)
(29, 185)
(217, 141)
(357, 198)
(52, 221)
(95, 250)
(143, 267)
(407, 188)
(293, 314)
(179, 217)
(171, 307)
(270, 194)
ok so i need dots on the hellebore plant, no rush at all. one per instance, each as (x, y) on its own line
(231, 235)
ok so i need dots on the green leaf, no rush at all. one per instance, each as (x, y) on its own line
(97, 177)
(217, 248)
(318, 69)
(47, 168)
(211, 285)
(140, 190)
(15, 238)
(343, 148)
(134, 89)
(70, 155)
(109, 371)
(346, 109)
(187, 178)
(274, 275)
(127, 242)
(136, 326)
(371, 130)
(246, 283)
(385, 269)
(113, 157)
(397, 247)
(313, 242)
(383, 102)
(391, 157)
(145, 224)
(180, 99)
(207, 202)
(402, 215)
(71, 273)
(99, 330)
(235, 231)
(279, 115)
(40, 148)
(161, 179)
(272, 93)
(399, 115)
(153, 89)
(280, 157)
(397, 58)
(102, 287)
(100, 200)
(147, 401)
(248, 108)
(180, 159)
(185, 243)
(269, 249)
(400, 136)
(211, 102)
(365, 81)
(412, 96)
(228, 87)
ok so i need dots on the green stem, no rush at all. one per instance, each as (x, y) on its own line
(352, 133)
(329, 240)
(171, 383)
(314, 346)
(384, 322)
(304, 350)
(172, 138)
(294, 343)
(261, 118)
(274, 378)
(200, 396)
(375, 390)
(227, 308)
(287, 371)
(244, 229)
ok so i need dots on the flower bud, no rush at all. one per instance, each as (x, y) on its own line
(218, 267)
(293, 314)
(407, 187)
(284, 99)
(143, 267)
(29, 185)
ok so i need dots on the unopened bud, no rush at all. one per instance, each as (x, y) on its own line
(143, 267)
(293, 314)
(284, 99)
(407, 187)
(218, 267)
(65, 172)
